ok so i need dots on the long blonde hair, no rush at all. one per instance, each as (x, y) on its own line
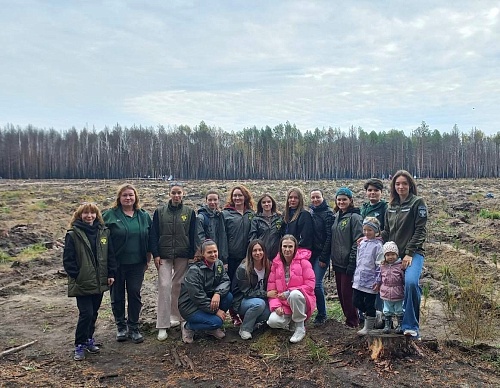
(300, 206)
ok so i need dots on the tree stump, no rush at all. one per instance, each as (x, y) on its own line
(398, 345)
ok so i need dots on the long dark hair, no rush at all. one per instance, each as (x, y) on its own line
(249, 264)
(411, 182)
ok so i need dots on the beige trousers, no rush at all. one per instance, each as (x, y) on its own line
(170, 277)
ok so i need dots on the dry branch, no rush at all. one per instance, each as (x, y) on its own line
(17, 348)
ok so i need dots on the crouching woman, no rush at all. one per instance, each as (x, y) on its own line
(291, 288)
(205, 294)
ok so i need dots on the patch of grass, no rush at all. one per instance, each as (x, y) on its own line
(474, 309)
(490, 214)
(45, 326)
(334, 310)
(4, 209)
(38, 206)
(315, 351)
(476, 197)
(12, 194)
(268, 345)
(32, 251)
(5, 258)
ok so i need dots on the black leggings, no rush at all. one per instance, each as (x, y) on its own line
(364, 302)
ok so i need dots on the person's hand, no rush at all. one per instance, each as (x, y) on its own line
(376, 287)
(214, 304)
(157, 262)
(226, 267)
(111, 281)
(321, 264)
(279, 311)
(272, 294)
(221, 314)
(406, 262)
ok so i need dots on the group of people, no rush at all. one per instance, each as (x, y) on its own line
(252, 263)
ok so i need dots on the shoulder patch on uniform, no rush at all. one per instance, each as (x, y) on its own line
(422, 211)
(184, 218)
(104, 240)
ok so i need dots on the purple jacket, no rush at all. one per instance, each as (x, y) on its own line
(393, 280)
(367, 272)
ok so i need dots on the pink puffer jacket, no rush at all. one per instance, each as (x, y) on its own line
(301, 278)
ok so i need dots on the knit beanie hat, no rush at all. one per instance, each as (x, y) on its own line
(344, 191)
(373, 223)
(390, 246)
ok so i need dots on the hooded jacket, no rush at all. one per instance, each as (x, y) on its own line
(210, 224)
(378, 211)
(245, 288)
(237, 231)
(393, 280)
(88, 259)
(269, 232)
(405, 224)
(367, 272)
(346, 230)
(322, 217)
(199, 286)
(301, 278)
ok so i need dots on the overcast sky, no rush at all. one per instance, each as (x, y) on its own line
(235, 64)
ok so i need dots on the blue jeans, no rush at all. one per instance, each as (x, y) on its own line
(319, 292)
(254, 310)
(202, 320)
(413, 293)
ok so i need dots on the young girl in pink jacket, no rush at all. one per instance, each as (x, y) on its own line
(291, 288)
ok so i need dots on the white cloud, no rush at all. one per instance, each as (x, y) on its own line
(238, 64)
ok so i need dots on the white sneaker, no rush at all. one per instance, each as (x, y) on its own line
(217, 333)
(162, 334)
(174, 323)
(245, 335)
(298, 335)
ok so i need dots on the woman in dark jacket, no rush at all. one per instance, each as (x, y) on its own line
(89, 261)
(322, 216)
(250, 289)
(205, 294)
(267, 225)
(129, 227)
(405, 224)
(298, 220)
(347, 228)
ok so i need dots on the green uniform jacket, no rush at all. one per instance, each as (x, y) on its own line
(115, 219)
(93, 275)
(378, 211)
(199, 285)
(405, 224)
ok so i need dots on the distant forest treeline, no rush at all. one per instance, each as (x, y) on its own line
(282, 152)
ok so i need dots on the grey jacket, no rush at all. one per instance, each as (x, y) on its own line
(237, 231)
(346, 230)
(405, 224)
(199, 285)
(270, 233)
(210, 224)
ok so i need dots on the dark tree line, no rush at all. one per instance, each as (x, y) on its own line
(282, 152)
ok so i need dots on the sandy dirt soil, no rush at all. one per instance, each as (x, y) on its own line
(34, 305)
